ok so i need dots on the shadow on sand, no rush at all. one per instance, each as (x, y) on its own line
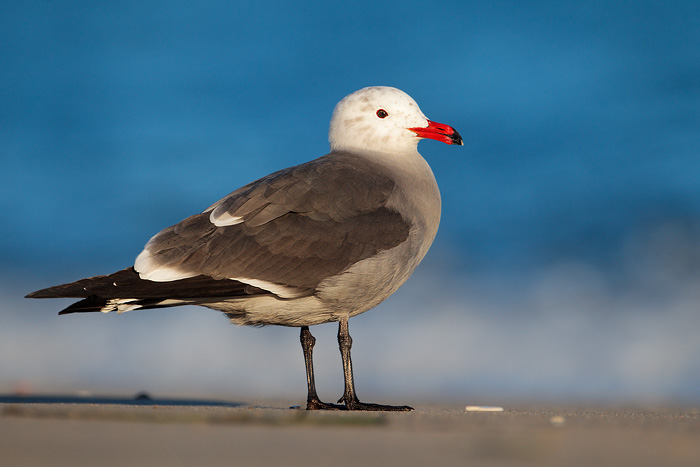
(140, 399)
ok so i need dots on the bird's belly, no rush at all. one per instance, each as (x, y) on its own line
(371, 281)
(357, 289)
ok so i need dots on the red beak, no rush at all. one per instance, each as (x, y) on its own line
(439, 132)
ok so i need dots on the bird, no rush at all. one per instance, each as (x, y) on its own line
(319, 242)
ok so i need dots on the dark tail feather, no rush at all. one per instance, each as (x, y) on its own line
(110, 286)
(94, 303)
(127, 284)
(98, 291)
(88, 305)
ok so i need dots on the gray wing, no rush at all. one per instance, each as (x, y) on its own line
(286, 232)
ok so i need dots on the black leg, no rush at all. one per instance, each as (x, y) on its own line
(349, 396)
(312, 400)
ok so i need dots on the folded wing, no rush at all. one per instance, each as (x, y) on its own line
(286, 232)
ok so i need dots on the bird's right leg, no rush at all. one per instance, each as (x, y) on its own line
(312, 400)
(349, 396)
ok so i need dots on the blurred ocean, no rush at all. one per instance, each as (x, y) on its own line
(567, 264)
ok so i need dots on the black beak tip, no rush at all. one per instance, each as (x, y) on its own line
(456, 138)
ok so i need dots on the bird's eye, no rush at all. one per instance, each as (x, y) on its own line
(381, 113)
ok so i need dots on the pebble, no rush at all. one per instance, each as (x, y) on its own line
(557, 420)
(483, 408)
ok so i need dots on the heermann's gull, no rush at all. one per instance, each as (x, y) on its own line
(316, 243)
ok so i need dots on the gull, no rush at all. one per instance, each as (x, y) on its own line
(315, 243)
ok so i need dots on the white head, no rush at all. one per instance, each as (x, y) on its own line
(383, 119)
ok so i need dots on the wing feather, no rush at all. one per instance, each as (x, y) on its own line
(297, 226)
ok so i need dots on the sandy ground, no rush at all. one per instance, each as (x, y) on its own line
(115, 432)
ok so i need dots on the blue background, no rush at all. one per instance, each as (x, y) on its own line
(568, 259)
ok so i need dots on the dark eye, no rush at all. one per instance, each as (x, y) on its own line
(381, 113)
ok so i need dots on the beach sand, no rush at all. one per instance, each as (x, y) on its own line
(113, 432)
